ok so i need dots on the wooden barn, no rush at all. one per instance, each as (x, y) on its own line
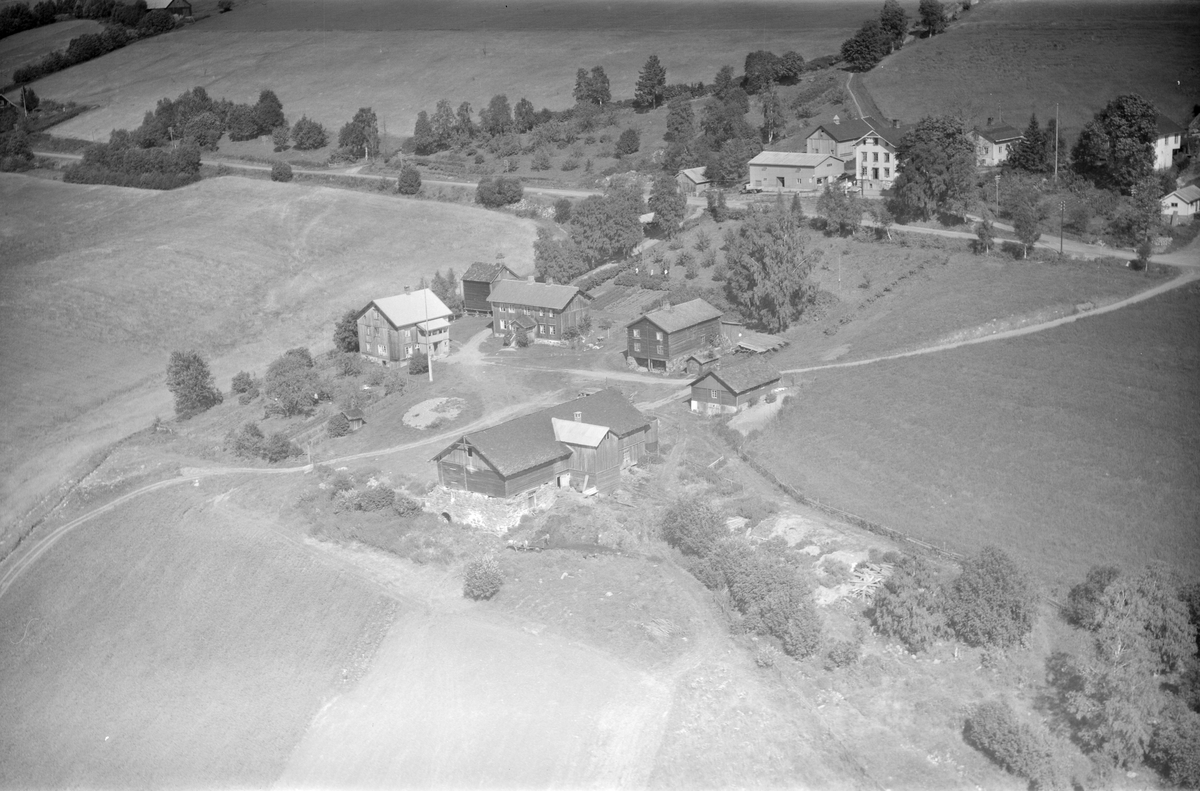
(393, 329)
(355, 418)
(553, 308)
(176, 7)
(732, 389)
(583, 443)
(662, 341)
(477, 285)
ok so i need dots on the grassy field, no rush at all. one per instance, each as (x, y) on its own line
(170, 644)
(1070, 447)
(405, 59)
(101, 283)
(1007, 58)
(28, 46)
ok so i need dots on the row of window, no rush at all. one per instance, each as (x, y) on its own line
(522, 309)
(637, 333)
(637, 347)
(545, 330)
(887, 172)
(875, 156)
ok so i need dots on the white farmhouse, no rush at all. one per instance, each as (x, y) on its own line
(1181, 205)
(1170, 138)
(993, 143)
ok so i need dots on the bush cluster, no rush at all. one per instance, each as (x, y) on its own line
(249, 442)
(281, 171)
(338, 426)
(993, 729)
(482, 578)
(500, 191)
(19, 17)
(909, 606)
(87, 47)
(375, 499)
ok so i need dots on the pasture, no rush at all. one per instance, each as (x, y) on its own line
(404, 59)
(172, 643)
(1008, 59)
(101, 283)
(30, 45)
(1069, 447)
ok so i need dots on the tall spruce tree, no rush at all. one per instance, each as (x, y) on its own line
(651, 84)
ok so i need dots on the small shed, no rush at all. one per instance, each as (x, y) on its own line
(693, 181)
(732, 389)
(356, 418)
(702, 362)
(1181, 205)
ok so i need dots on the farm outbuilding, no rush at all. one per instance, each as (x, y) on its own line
(176, 7)
(693, 181)
(662, 341)
(477, 285)
(583, 443)
(787, 171)
(732, 389)
(554, 309)
(393, 329)
(355, 418)
(1182, 205)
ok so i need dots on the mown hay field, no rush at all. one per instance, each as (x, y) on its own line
(100, 284)
(29, 45)
(171, 643)
(397, 60)
(1007, 59)
(1070, 447)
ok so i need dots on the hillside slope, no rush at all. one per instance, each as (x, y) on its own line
(100, 284)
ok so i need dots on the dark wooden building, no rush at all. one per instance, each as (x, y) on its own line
(664, 339)
(477, 285)
(395, 328)
(176, 7)
(584, 443)
(554, 308)
(732, 389)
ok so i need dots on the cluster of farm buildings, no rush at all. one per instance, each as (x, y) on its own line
(862, 152)
(583, 444)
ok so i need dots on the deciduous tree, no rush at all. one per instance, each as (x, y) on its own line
(464, 127)
(761, 69)
(841, 210)
(933, 16)
(1028, 210)
(668, 204)
(345, 331)
(910, 605)
(524, 116)
(768, 265)
(867, 47)
(992, 602)
(555, 260)
(361, 133)
(894, 21)
(292, 384)
(308, 135)
(497, 118)
(268, 112)
(628, 142)
(773, 117)
(791, 66)
(192, 384)
(424, 140)
(443, 124)
(599, 90)
(936, 167)
(681, 121)
(608, 227)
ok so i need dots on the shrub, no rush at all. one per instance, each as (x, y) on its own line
(1083, 602)
(340, 483)
(406, 507)
(842, 653)
(992, 602)
(224, 5)
(292, 384)
(628, 143)
(521, 337)
(247, 441)
(694, 527)
(766, 656)
(500, 191)
(909, 606)
(308, 135)
(562, 210)
(1175, 747)
(155, 22)
(375, 499)
(280, 136)
(994, 729)
(242, 382)
(281, 171)
(348, 364)
(541, 160)
(482, 578)
(278, 447)
(193, 386)
(418, 363)
(409, 182)
(767, 587)
(338, 426)
(394, 382)
(248, 396)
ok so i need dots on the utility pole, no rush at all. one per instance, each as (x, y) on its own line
(1056, 144)
(997, 194)
(1062, 212)
(428, 334)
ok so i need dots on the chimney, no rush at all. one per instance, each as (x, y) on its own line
(578, 417)
(529, 279)
(406, 289)
(990, 119)
(895, 123)
(836, 120)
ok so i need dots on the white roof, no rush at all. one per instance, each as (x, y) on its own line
(405, 309)
(577, 433)
(696, 175)
(435, 324)
(1188, 194)
(793, 159)
(154, 4)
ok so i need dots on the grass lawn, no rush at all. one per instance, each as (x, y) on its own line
(1068, 448)
(1007, 59)
(172, 643)
(103, 283)
(30, 45)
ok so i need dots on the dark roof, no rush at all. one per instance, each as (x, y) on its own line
(528, 322)
(483, 272)
(999, 134)
(682, 316)
(893, 134)
(1167, 127)
(740, 378)
(523, 443)
(535, 295)
(848, 129)
(352, 414)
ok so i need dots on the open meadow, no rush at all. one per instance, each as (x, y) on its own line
(1070, 447)
(100, 284)
(1008, 58)
(30, 45)
(404, 60)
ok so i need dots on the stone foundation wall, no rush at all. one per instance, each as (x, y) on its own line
(493, 514)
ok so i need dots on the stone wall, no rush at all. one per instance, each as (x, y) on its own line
(493, 514)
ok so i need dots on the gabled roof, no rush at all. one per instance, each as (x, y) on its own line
(1188, 194)
(535, 295)
(680, 317)
(998, 134)
(845, 130)
(484, 272)
(520, 444)
(152, 5)
(353, 414)
(794, 159)
(528, 322)
(578, 433)
(1167, 127)
(738, 379)
(403, 310)
(696, 175)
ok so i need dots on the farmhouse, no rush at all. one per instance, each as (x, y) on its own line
(1168, 141)
(693, 181)
(838, 138)
(584, 443)
(393, 329)
(993, 142)
(793, 172)
(1181, 205)
(662, 340)
(875, 154)
(732, 389)
(477, 285)
(553, 309)
(176, 7)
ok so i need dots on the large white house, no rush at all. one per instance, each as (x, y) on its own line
(1170, 138)
(867, 146)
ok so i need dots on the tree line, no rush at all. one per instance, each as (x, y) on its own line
(878, 38)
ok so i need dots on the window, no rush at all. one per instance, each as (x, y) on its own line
(503, 324)
(875, 157)
(887, 157)
(637, 333)
(658, 336)
(383, 348)
(550, 329)
(658, 349)
(542, 329)
(715, 395)
(887, 173)
(637, 347)
(874, 141)
(864, 171)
